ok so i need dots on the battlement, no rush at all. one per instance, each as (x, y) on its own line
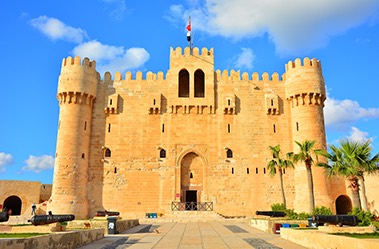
(305, 63)
(137, 77)
(195, 51)
(236, 76)
(76, 61)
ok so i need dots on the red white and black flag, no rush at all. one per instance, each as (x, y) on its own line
(189, 30)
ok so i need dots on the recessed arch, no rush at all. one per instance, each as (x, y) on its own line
(188, 150)
(184, 83)
(199, 84)
(343, 204)
(191, 174)
(14, 204)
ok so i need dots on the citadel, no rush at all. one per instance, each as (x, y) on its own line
(137, 144)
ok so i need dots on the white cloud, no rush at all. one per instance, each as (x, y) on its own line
(118, 8)
(57, 30)
(39, 163)
(5, 160)
(343, 113)
(295, 26)
(245, 59)
(358, 135)
(112, 58)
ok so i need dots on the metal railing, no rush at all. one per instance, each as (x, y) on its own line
(192, 206)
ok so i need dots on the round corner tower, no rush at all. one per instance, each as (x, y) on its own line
(305, 91)
(77, 88)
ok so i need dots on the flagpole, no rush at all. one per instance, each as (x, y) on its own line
(189, 34)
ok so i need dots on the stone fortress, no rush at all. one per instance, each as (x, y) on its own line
(137, 144)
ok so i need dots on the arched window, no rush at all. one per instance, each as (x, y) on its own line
(184, 83)
(162, 153)
(107, 153)
(229, 153)
(199, 84)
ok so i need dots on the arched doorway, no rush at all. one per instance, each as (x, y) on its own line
(343, 204)
(13, 203)
(191, 178)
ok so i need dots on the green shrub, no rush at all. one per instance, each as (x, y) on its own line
(303, 216)
(291, 214)
(279, 207)
(376, 225)
(365, 217)
(322, 211)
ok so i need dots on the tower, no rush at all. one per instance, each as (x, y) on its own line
(305, 90)
(77, 89)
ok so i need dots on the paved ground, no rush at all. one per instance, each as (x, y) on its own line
(195, 235)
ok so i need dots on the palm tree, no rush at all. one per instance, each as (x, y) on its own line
(352, 160)
(305, 155)
(281, 164)
(339, 163)
(365, 164)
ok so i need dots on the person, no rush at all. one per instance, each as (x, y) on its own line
(34, 209)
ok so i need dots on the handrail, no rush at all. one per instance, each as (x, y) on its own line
(192, 206)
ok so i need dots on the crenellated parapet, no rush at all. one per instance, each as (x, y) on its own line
(78, 77)
(179, 52)
(137, 77)
(304, 82)
(236, 76)
(69, 61)
(305, 63)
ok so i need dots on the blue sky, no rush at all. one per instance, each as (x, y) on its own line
(250, 35)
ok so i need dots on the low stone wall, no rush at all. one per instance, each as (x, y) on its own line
(102, 222)
(67, 240)
(267, 225)
(26, 229)
(345, 229)
(315, 239)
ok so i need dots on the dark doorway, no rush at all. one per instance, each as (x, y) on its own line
(343, 205)
(191, 199)
(13, 203)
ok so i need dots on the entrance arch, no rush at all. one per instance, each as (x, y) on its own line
(191, 177)
(13, 203)
(343, 204)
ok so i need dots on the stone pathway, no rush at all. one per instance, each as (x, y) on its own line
(193, 235)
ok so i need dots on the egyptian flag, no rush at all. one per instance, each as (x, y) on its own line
(189, 30)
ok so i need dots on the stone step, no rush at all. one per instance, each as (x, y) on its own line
(187, 216)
